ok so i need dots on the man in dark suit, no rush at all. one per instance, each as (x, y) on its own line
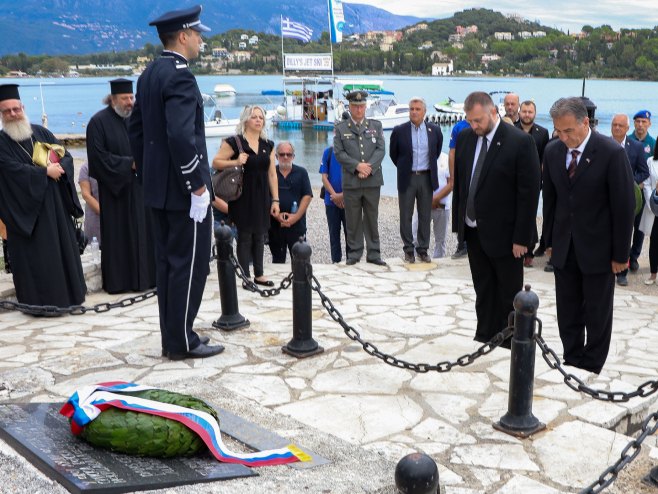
(640, 169)
(495, 196)
(588, 218)
(167, 137)
(415, 148)
(527, 124)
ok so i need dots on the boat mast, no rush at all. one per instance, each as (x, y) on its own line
(283, 61)
(44, 117)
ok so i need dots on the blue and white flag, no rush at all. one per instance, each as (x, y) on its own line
(337, 20)
(297, 30)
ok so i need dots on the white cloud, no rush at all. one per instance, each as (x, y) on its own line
(561, 14)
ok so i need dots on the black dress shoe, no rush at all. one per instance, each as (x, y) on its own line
(633, 265)
(409, 258)
(202, 351)
(622, 280)
(247, 287)
(424, 257)
(378, 262)
(351, 261)
(539, 252)
(264, 283)
(203, 339)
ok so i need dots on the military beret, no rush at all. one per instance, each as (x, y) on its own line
(357, 97)
(177, 20)
(643, 114)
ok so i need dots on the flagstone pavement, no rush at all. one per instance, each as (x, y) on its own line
(346, 405)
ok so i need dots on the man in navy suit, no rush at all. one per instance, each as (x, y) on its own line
(588, 219)
(635, 153)
(415, 148)
(494, 208)
(167, 136)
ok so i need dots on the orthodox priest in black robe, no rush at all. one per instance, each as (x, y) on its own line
(127, 255)
(37, 202)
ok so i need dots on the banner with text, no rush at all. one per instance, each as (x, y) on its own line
(308, 61)
(337, 20)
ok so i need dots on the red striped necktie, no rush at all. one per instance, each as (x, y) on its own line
(571, 171)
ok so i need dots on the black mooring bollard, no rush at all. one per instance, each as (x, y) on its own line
(302, 343)
(519, 420)
(231, 318)
(417, 473)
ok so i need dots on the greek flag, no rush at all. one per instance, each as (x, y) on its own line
(297, 30)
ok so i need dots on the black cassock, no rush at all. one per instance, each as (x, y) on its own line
(37, 210)
(127, 258)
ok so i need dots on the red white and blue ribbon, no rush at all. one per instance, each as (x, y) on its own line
(88, 402)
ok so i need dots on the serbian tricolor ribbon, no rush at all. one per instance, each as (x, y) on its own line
(88, 402)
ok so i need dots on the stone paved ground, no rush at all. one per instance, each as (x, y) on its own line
(348, 406)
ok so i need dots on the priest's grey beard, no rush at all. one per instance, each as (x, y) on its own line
(18, 130)
(121, 112)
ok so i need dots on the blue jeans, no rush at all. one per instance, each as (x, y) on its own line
(335, 217)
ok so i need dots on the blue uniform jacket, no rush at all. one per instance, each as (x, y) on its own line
(167, 134)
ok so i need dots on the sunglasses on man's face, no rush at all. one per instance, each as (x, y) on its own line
(286, 155)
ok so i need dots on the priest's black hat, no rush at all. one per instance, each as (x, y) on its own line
(9, 91)
(177, 20)
(121, 86)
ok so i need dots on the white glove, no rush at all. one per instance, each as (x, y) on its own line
(199, 206)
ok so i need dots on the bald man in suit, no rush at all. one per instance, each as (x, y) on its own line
(495, 196)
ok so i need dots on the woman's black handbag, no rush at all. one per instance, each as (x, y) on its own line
(227, 183)
(80, 235)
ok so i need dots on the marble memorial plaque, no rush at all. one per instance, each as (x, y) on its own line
(258, 438)
(43, 436)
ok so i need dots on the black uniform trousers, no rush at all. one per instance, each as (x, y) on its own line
(496, 281)
(182, 251)
(584, 303)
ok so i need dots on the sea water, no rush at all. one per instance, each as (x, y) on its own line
(70, 102)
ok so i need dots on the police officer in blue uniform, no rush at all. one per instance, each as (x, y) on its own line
(168, 141)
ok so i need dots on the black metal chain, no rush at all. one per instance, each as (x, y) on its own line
(575, 383)
(371, 349)
(253, 287)
(74, 310)
(628, 454)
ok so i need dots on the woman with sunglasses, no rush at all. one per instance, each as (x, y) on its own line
(260, 192)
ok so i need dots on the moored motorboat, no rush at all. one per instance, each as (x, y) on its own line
(224, 91)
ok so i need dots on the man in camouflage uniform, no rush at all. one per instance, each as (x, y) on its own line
(359, 147)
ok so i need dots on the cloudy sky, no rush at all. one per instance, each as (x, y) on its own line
(561, 14)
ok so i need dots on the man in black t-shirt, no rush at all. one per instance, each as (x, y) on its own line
(295, 195)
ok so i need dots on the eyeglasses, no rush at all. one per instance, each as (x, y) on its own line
(286, 155)
(17, 110)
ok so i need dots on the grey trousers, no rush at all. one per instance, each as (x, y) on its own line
(440, 221)
(418, 193)
(361, 214)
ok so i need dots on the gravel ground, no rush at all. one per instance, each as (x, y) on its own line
(391, 244)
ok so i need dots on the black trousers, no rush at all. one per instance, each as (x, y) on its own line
(496, 281)
(280, 241)
(182, 251)
(251, 247)
(418, 194)
(584, 314)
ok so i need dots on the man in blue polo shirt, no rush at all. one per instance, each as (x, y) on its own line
(642, 122)
(459, 126)
(295, 195)
(332, 176)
